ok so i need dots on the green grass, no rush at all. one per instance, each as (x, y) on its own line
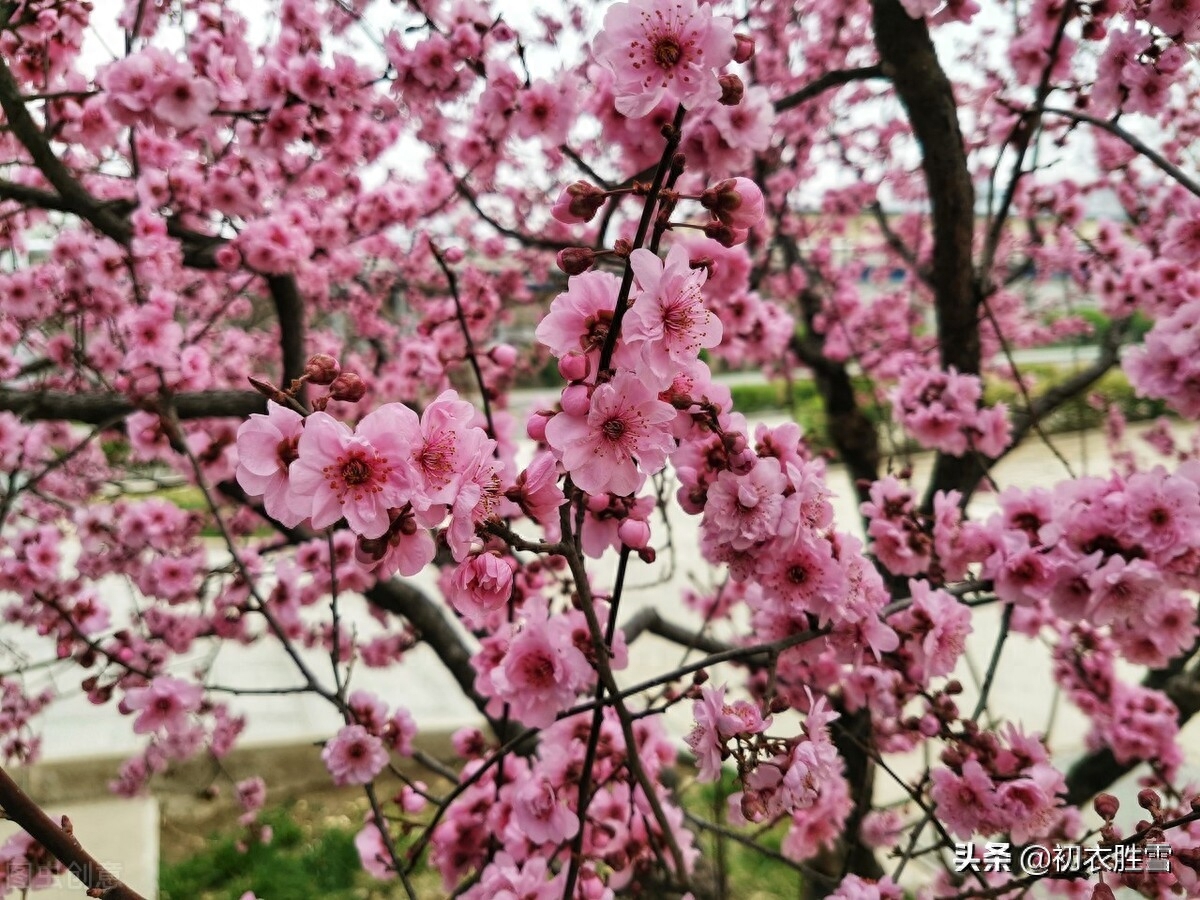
(310, 855)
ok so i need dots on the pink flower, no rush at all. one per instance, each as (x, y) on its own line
(359, 475)
(622, 438)
(481, 583)
(266, 447)
(354, 756)
(580, 317)
(164, 705)
(185, 101)
(743, 510)
(373, 852)
(578, 203)
(658, 48)
(539, 674)
(736, 202)
(668, 319)
(540, 815)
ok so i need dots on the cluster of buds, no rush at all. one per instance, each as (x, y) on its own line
(321, 369)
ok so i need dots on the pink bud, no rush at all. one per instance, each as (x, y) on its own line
(453, 254)
(321, 368)
(574, 366)
(227, 258)
(348, 387)
(634, 534)
(1106, 806)
(578, 203)
(597, 503)
(576, 400)
(736, 202)
(575, 260)
(535, 426)
(504, 355)
(743, 48)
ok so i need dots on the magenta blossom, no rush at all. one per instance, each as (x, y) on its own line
(658, 48)
(668, 319)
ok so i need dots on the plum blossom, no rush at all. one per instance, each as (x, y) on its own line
(668, 320)
(164, 705)
(358, 475)
(267, 446)
(540, 814)
(622, 438)
(658, 48)
(354, 756)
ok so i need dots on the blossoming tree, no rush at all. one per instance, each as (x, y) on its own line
(276, 258)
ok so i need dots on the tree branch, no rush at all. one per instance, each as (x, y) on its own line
(1133, 141)
(98, 407)
(60, 842)
(829, 80)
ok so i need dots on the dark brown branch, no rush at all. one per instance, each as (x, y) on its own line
(289, 309)
(829, 80)
(650, 621)
(1192, 186)
(60, 842)
(97, 408)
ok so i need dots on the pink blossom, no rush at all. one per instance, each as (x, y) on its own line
(580, 317)
(373, 852)
(357, 475)
(185, 101)
(668, 319)
(622, 438)
(743, 510)
(164, 705)
(267, 446)
(658, 48)
(354, 756)
(539, 675)
(736, 202)
(539, 813)
(481, 584)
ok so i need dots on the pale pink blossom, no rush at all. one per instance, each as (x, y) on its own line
(539, 813)
(165, 705)
(267, 446)
(658, 48)
(668, 319)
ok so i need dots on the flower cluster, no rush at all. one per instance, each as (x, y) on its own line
(941, 410)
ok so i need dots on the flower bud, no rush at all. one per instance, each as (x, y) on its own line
(743, 48)
(1148, 799)
(453, 255)
(736, 202)
(576, 401)
(535, 426)
(575, 260)
(321, 368)
(732, 90)
(348, 387)
(574, 366)
(504, 355)
(1106, 806)
(724, 235)
(578, 203)
(647, 555)
(634, 534)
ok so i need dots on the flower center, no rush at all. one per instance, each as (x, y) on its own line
(667, 52)
(287, 451)
(613, 429)
(356, 471)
